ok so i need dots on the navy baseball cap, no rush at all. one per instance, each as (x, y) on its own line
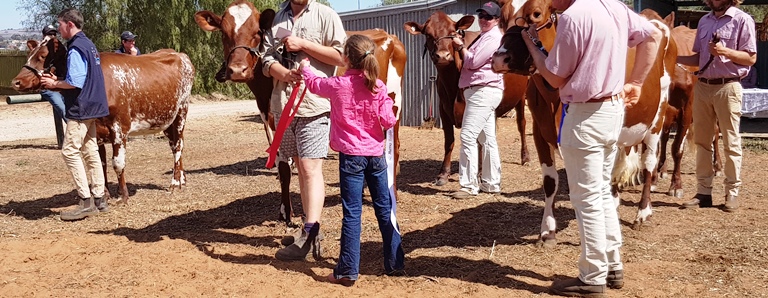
(128, 35)
(491, 8)
(50, 30)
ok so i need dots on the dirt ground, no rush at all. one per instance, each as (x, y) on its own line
(218, 235)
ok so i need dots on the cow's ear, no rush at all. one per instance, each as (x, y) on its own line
(208, 21)
(670, 20)
(501, 3)
(413, 28)
(465, 22)
(31, 44)
(266, 19)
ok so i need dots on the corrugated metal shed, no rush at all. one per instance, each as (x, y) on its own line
(418, 69)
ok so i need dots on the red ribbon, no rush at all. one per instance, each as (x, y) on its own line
(285, 119)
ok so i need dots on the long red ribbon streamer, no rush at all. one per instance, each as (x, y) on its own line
(285, 119)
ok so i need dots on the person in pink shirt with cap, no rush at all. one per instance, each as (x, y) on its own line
(483, 90)
(361, 110)
(725, 48)
(588, 63)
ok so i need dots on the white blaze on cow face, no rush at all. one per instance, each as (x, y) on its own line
(240, 13)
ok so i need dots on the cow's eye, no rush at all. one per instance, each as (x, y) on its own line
(536, 15)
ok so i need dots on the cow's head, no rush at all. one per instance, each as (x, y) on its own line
(512, 55)
(439, 30)
(241, 35)
(44, 57)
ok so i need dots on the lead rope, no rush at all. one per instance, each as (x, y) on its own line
(289, 112)
(715, 39)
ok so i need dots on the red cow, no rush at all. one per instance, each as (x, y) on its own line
(439, 29)
(147, 94)
(242, 28)
(642, 124)
(679, 112)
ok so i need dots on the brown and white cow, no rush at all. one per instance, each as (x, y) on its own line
(642, 123)
(147, 94)
(243, 29)
(439, 29)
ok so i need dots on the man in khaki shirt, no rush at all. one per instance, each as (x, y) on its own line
(304, 29)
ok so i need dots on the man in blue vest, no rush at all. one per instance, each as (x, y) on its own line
(85, 99)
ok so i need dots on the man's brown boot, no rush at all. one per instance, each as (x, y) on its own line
(84, 209)
(101, 204)
(574, 287)
(615, 279)
(699, 200)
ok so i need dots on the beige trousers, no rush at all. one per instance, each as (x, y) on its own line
(81, 154)
(717, 105)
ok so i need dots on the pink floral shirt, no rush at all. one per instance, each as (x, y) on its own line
(358, 117)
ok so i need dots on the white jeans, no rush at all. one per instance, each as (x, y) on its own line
(479, 127)
(588, 145)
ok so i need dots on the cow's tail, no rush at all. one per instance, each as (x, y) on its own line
(628, 169)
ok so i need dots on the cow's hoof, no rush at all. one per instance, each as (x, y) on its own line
(117, 201)
(440, 182)
(638, 224)
(677, 193)
(546, 243)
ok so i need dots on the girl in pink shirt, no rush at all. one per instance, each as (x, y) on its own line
(361, 111)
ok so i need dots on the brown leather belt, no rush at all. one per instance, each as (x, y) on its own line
(470, 87)
(603, 99)
(719, 81)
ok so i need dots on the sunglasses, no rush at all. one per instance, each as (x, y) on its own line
(486, 17)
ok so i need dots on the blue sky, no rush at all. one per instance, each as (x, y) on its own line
(11, 18)
(347, 5)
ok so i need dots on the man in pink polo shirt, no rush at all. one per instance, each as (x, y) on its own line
(717, 95)
(588, 64)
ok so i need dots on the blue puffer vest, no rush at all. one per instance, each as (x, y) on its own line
(90, 101)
